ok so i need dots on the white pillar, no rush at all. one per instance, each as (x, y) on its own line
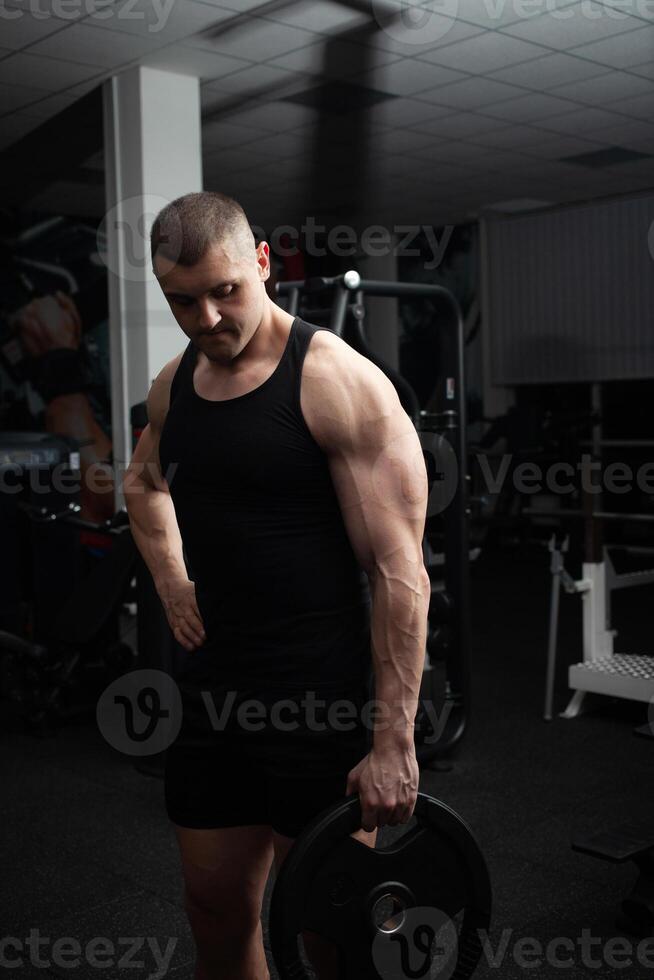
(153, 154)
(382, 323)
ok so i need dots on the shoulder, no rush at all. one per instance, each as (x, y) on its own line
(344, 395)
(159, 395)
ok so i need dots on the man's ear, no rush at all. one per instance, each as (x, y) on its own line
(263, 260)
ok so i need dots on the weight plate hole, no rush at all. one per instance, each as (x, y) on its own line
(388, 913)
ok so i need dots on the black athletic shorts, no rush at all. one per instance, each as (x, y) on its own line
(274, 769)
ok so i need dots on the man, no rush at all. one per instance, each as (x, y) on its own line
(279, 468)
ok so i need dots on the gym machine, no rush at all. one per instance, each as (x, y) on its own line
(602, 670)
(443, 437)
(61, 635)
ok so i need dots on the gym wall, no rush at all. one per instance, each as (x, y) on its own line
(570, 293)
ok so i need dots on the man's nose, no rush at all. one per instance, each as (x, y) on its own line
(209, 314)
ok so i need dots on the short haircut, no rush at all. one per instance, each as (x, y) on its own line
(186, 228)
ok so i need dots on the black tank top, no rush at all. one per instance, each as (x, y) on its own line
(286, 605)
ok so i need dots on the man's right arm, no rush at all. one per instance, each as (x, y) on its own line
(154, 524)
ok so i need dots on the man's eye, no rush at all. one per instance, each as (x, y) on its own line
(223, 292)
(182, 301)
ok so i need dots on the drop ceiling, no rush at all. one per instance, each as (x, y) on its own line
(487, 101)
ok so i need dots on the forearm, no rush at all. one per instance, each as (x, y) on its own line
(71, 415)
(400, 605)
(155, 531)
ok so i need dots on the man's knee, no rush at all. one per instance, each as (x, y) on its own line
(231, 918)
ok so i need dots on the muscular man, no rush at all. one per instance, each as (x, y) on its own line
(278, 496)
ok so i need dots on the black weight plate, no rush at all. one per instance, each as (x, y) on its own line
(332, 884)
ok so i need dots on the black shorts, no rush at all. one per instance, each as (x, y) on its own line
(235, 776)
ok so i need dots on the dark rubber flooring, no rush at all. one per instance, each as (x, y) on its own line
(87, 851)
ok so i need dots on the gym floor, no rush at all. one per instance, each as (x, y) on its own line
(88, 850)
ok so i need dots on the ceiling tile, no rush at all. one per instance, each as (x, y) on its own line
(192, 61)
(255, 39)
(338, 59)
(20, 27)
(408, 77)
(578, 23)
(472, 93)
(626, 132)
(461, 125)
(517, 138)
(249, 6)
(581, 121)
(402, 141)
(555, 146)
(275, 117)
(606, 88)
(549, 71)
(407, 112)
(165, 21)
(220, 133)
(623, 51)
(494, 14)
(14, 97)
(45, 73)
(322, 16)
(94, 46)
(484, 53)
(238, 159)
(419, 28)
(646, 69)
(280, 145)
(531, 108)
(641, 106)
(257, 78)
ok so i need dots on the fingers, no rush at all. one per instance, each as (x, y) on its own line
(188, 638)
(68, 304)
(194, 620)
(32, 335)
(375, 815)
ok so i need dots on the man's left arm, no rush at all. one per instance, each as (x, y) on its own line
(379, 474)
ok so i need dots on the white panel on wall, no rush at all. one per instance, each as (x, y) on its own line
(570, 293)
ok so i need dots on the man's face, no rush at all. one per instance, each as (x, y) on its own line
(218, 302)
